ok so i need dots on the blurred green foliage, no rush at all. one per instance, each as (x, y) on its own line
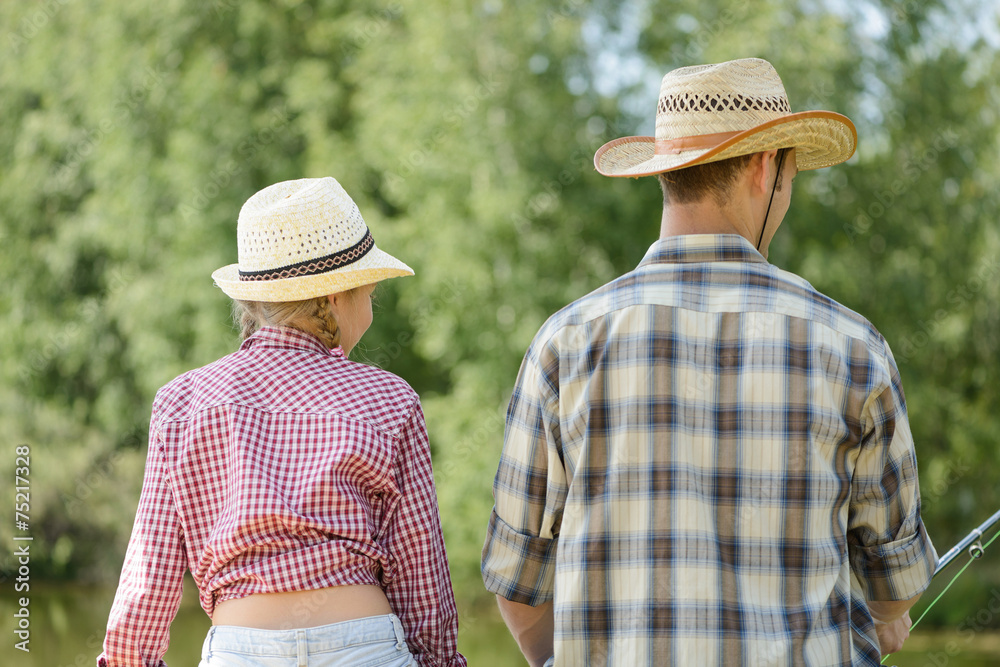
(132, 133)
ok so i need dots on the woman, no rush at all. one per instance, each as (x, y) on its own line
(295, 485)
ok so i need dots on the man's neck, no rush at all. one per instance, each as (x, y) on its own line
(705, 217)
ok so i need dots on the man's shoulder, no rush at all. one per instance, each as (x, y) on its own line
(804, 300)
(595, 304)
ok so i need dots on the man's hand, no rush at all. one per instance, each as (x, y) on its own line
(892, 635)
(892, 622)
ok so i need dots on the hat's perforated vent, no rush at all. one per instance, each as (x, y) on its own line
(320, 265)
(721, 102)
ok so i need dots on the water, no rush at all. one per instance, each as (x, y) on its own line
(67, 628)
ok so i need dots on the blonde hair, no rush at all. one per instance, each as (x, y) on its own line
(313, 316)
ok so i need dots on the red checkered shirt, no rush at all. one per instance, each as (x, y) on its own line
(285, 467)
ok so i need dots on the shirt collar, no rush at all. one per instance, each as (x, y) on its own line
(288, 338)
(691, 248)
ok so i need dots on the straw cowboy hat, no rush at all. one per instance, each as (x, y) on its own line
(714, 112)
(303, 239)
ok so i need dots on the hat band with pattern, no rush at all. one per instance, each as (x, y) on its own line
(312, 267)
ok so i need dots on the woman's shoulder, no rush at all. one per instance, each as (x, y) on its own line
(212, 379)
(375, 392)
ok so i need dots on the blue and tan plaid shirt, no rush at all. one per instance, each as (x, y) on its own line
(707, 462)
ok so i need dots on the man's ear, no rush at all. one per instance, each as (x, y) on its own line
(761, 167)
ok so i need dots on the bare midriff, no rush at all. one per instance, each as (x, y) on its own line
(302, 609)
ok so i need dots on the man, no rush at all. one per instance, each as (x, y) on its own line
(706, 461)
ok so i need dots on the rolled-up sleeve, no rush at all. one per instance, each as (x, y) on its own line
(529, 491)
(149, 591)
(420, 593)
(890, 551)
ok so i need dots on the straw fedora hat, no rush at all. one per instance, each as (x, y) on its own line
(707, 113)
(303, 239)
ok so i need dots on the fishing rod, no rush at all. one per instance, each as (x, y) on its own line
(970, 542)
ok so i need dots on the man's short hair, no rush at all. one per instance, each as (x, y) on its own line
(714, 179)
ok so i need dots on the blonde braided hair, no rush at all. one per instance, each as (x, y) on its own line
(313, 316)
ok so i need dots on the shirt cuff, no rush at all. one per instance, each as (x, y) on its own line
(896, 570)
(518, 567)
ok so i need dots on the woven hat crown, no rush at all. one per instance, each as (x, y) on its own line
(708, 99)
(303, 239)
(296, 227)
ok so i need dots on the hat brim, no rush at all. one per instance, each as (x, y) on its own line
(375, 266)
(820, 138)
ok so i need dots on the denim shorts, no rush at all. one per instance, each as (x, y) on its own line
(377, 641)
